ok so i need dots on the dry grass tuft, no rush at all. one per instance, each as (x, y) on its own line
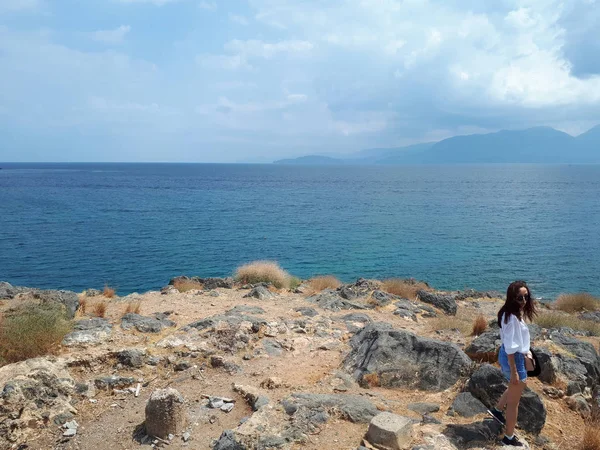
(403, 288)
(371, 380)
(581, 301)
(462, 324)
(32, 330)
(263, 272)
(100, 309)
(555, 319)
(479, 325)
(82, 304)
(108, 292)
(187, 285)
(591, 436)
(317, 284)
(133, 307)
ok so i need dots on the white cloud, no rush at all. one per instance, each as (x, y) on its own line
(211, 6)
(154, 2)
(240, 20)
(7, 6)
(116, 36)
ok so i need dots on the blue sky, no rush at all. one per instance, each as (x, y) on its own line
(229, 81)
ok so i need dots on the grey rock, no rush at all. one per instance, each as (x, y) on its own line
(182, 365)
(381, 298)
(132, 357)
(360, 288)
(7, 290)
(93, 293)
(472, 293)
(400, 359)
(466, 405)
(231, 319)
(548, 365)
(406, 314)
(473, 434)
(67, 298)
(484, 348)
(352, 407)
(352, 319)
(594, 316)
(442, 301)
(214, 283)
(272, 347)
(424, 408)
(228, 441)
(427, 419)
(307, 312)
(113, 381)
(573, 388)
(245, 309)
(488, 383)
(88, 331)
(390, 431)
(584, 352)
(331, 300)
(579, 404)
(186, 436)
(260, 292)
(165, 413)
(146, 324)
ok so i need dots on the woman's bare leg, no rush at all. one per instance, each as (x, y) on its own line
(513, 392)
(501, 405)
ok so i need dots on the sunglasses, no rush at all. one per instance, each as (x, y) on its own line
(523, 298)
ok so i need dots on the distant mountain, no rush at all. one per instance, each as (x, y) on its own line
(533, 145)
(311, 160)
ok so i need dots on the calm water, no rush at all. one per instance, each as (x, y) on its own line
(134, 226)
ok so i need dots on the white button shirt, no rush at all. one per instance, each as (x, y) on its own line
(514, 335)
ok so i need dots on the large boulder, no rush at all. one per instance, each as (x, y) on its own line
(88, 332)
(484, 348)
(473, 435)
(360, 288)
(583, 352)
(488, 384)
(260, 292)
(398, 358)
(445, 302)
(466, 405)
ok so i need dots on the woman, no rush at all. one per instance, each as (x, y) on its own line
(514, 334)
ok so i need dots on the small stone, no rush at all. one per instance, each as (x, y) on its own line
(271, 383)
(390, 431)
(71, 425)
(186, 436)
(182, 365)
(227, 407)
(170, 437)
(424, 408)
(70, 432)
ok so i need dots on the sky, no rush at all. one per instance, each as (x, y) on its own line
(257, 80)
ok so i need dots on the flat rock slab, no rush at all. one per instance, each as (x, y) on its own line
(353, 408)
(424, 408)
(146, 324)
(333, 301)
(390, 431)
(88, 332)
(474, 435)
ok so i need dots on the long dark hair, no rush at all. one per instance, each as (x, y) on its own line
(511, 306)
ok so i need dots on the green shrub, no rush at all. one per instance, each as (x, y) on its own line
(32, 330)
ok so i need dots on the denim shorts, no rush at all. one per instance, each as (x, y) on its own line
(519, 363)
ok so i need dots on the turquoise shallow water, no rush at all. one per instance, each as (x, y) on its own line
(134, 226)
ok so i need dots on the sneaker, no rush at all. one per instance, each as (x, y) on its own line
(498, 415)
(514, 442)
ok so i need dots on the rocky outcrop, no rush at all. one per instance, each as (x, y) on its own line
(260, 292)
(353, 408)
(207, 283)
(445, 302)
(474, 294)
(88, 332)
(360, 288)
(487, 384)
(396, 358)
(466, 405)
(143, 324)
(69, 299)
(35, 393)
(333, 301)
(484, 348)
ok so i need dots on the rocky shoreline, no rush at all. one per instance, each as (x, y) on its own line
(232, 366)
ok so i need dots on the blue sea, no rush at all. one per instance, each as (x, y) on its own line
(134, 226)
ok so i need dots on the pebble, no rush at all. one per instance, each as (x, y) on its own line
(186, 436)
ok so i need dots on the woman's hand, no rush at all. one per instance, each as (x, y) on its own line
(514, 377)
